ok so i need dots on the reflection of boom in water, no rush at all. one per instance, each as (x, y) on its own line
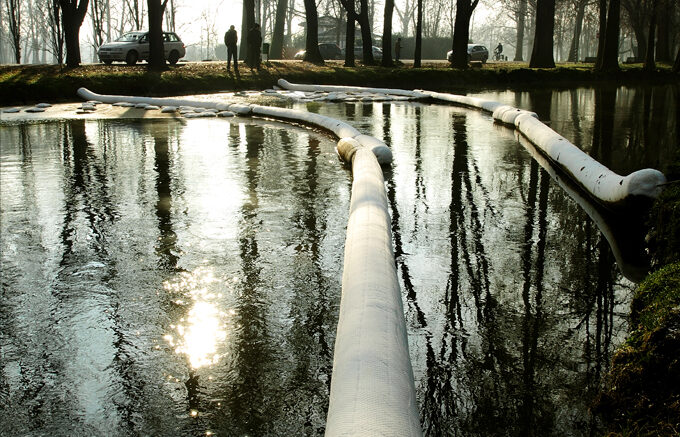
(623, 230)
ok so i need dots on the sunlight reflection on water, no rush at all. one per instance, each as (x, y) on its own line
(200, 333)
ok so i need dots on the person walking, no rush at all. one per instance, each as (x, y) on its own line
(230, 40)
(254, 44)
(397, 49)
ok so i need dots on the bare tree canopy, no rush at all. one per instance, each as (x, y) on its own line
(14, 25)
(29, 31)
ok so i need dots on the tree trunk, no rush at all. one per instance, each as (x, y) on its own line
(641, 40)
(663, 49)
(349, 37)
(519, 43)
(461, 32)
(14, 18)
(247, 23)
(387, 34)
(276, 51)
(366, 30)
(610, 56)
(461, 35)
(288, 40)
(312, 53)
(417, 55)
(56, 31)
(156, 53)
(650, 65)
(601, 32)
(542, 52)
(578, 26)
(676, 65)
(72, 15)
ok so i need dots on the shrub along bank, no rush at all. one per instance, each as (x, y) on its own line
(642, 396)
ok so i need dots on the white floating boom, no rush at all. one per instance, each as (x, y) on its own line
(604, 185)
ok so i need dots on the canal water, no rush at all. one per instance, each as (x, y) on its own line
(183, 277)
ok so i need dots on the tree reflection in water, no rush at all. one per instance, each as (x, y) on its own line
(511, 352)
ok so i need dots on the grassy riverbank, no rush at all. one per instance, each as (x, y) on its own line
(25, 84)
(642, 397)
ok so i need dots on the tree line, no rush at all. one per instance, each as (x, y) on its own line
(537, 30)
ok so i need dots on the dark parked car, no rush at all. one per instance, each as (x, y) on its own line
(475, 52)
(328, 51)
(359, 53)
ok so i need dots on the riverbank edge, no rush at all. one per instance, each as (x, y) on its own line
(642, 392)
(28, 84)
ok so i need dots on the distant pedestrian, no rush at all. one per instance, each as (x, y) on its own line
(254, 44)
(397, 49)
(230, 40)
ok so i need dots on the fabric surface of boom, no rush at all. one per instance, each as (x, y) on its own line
(372, 389)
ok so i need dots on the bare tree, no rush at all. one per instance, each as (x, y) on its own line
(638, 13)
(417, 55)
(289, 23)
(461, 32)
(312, 53)
(56, 31)
(406, 14)
(580, 6)
(279, 23)
(156, 8)
(649, 58)
(542, 52)
(37, 31)
(387, 34)
(665, 13)
(518, 10)
(366, 32)
(98, 10)
(432, 17)
(208, 32)
(609, 61)
(72, 16)
(136, 13)
(14, 27)
(170, 16)
(350, 7)
(247, 23)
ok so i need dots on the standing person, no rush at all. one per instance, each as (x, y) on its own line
(397, 49)
(254, 44)
(230, 40)
(499, 51)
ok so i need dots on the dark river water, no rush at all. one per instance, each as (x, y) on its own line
(183, 277)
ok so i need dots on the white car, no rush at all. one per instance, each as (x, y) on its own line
(134, 46)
